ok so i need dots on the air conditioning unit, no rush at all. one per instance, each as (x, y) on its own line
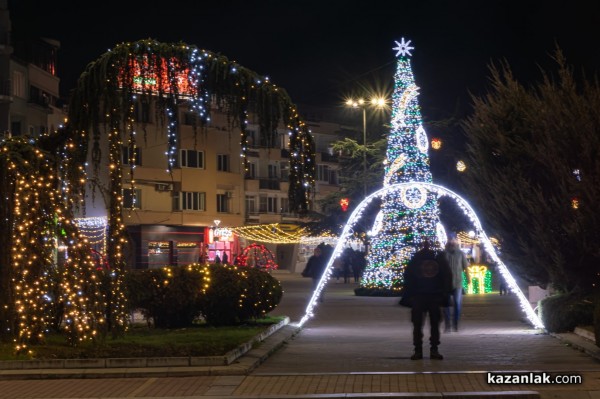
(163, 187)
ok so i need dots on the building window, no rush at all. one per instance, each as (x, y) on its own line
(223, 203)
(285, 171)
(18, 84)
(142, 112)
(323, 173)
(191, 118)
(132, 198)
(262, 204)
(272, 205)
(131, 157)
(272, 171)
(189, 201)
(285, 205)
(251, 138)
(223, 162)
(251, 172)
(191, 159)
(333, 177)
(250, 204)
(284, 141)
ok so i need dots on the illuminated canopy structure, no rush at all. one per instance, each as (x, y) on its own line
(170, 76)
(44, 180)
(436, 191)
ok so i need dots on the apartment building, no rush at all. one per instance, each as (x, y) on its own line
(29, 86)
(176, 217)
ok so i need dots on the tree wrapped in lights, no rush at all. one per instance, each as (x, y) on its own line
(36, 292)
(408, 218)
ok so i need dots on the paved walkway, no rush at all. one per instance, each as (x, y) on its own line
(354, 347)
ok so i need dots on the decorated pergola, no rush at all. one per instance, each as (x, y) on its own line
(44, 180)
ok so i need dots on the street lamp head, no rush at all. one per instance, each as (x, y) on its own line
(378, 102)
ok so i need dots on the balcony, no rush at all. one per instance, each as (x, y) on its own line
(269, 184)
(326, 157)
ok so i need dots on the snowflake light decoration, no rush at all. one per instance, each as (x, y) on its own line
(403, 48)
(414, 197)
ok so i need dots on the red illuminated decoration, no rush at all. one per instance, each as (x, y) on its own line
(575, 203)
(155, 77)
(258, 256)
(436, 144)
(344, 202)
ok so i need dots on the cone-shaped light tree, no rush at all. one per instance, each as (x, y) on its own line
(410, 217)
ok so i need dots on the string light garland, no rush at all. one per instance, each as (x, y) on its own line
(95, 230)
(436, 191)
(270, 233)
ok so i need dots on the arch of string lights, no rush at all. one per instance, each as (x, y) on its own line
(274, 234)
(440, 191)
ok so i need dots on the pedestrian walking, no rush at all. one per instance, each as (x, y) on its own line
(359, 263)
(315, 268)
(427, 282)
(347, 265)
(457, 261)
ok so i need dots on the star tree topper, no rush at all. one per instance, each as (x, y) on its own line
(403, 48)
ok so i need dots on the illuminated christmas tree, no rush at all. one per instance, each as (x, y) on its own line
(408, 218)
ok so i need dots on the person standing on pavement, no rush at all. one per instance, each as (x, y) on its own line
(315, 268)
(457, 260)
(427, 281)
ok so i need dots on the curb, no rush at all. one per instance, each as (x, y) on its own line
(239, 361)
(579, 342)
(398, 395)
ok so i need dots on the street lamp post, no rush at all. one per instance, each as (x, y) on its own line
(377, 102)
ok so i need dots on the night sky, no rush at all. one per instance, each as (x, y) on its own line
(323, 51)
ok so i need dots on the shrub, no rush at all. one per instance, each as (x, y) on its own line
(168, 296)
(233, 295)
(173, 297)
(564, 312)
(262, 293)
(221, 302)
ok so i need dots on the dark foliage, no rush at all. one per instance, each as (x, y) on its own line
(564, 312)
(262, 294)
(238, 294)
(168, 297)
(221, 294)
(534, 174)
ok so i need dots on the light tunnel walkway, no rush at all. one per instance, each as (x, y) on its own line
(440, 191)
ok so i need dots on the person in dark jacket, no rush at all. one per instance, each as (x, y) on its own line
(315, 268)
(427, 283)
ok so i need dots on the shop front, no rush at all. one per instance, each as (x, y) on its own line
(154, 247)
